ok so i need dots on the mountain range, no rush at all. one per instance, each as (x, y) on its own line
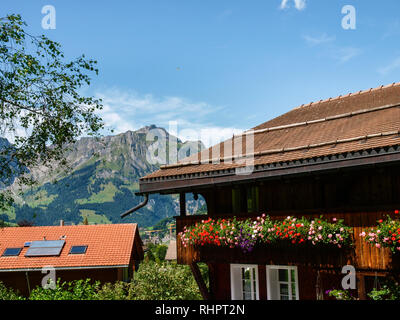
(100, 184)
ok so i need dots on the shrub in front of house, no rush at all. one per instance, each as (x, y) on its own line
(8, 293)
(73, 290)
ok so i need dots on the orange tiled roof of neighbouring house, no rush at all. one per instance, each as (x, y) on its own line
(107, 245)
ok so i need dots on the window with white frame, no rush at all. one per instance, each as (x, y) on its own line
(282, 283)
(244, 282)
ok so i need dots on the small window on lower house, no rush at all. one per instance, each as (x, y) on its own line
(282, 283)
(78, 250)
(244, 282)
(11, 252)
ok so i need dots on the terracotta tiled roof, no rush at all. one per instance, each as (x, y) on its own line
(360, 121)
(107, 245)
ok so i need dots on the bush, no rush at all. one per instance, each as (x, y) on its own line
(165, 281)
(8, 293)
(117, 291)
(74, 290)
(156, 252)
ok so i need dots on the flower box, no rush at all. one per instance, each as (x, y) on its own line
(264, 232)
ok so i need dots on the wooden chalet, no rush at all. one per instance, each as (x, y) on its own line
(337, 158)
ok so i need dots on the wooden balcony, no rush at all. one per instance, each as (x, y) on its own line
(362, 255)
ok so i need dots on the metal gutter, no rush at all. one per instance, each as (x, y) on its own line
(140, 205)
(64, 268)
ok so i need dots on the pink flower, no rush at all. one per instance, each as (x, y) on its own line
(329, 236)
(377, 245)
(334, 219)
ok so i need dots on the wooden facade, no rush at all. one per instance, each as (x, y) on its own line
(360, 197)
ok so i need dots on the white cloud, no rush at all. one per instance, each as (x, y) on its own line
(346, 53)
(125, 111)
(395, 64)
(299, 4)
(330, 49)
(323, 38)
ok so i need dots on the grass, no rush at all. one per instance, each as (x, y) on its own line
(105, 195)
(40, 199)
(94, 218)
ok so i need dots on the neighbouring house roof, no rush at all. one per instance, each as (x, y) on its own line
(357, 125)
(171, 251)
(108, 245)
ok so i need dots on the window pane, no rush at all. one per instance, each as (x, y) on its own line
(236, 200)
(283, 275)
(247, 296)
(248, 284)
(294, 297)
(78, 249)
(284, 291)
(12, 251)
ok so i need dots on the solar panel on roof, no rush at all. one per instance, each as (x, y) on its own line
(45, 248)
(9, 252)
(78, 249)
(47, 243)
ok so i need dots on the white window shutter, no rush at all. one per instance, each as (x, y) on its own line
(273, 287)
(236, 283)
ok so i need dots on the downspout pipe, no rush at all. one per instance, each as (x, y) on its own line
(140, 205)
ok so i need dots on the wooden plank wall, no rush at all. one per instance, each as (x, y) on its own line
(366, 190)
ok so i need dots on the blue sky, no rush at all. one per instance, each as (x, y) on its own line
(218, 67)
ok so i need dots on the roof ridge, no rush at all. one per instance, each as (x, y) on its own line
(394, 84)
(76, 225)
(329, 118)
